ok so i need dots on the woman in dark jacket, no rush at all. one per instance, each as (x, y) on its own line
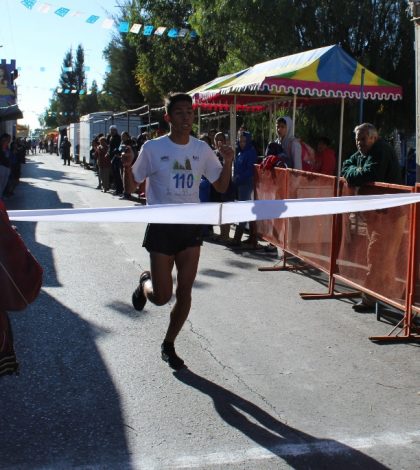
(243, 178)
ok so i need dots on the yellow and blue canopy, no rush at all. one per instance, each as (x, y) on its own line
(326, 72)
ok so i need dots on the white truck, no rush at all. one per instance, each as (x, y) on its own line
(73, 133)
(98, 123)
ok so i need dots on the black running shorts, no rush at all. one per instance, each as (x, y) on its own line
(170, 239)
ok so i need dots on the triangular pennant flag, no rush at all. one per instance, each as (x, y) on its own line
(182, 32)
(148, 30)
(28, 3)
(92, 19)
(108, 23)
(44, 8)
(193, 35)
(42, 69)
(123, 27)
(159, 31)
(173, 33)
(135, 28)
(62, 11)
(86, 68)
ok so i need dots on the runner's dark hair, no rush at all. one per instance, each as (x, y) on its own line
(173, 98)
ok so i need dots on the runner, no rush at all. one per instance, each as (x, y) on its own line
(172, 166)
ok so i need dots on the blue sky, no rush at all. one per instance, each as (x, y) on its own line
(39, 40)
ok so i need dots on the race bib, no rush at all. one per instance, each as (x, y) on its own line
(182, 182)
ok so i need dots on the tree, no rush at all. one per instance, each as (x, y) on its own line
(50, 116)
(166, 64)
(68, 97)
(377, 33)
(247, 31)
(64, 105)
(120, 86)
(88, 101)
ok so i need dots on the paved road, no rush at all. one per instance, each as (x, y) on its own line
(273, 381)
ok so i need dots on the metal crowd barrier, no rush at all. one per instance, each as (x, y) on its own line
(373, 252)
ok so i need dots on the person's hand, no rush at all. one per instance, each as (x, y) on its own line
(226, 151)
(127, 157)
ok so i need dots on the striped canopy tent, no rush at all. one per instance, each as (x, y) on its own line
(325, 73)
(217, 84)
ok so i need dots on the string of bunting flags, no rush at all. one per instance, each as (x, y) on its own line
(109, 23)
(73, 91)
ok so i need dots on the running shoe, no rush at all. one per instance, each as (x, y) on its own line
(139, 298)
(170, 356)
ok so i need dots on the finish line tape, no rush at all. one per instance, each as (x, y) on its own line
(219, 213)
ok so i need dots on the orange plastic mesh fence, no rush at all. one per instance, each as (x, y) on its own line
(269, 185)
(416, 273)
(373, 246)
(310, 238)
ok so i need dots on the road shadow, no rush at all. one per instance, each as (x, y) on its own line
(300, 450)
(63, 410)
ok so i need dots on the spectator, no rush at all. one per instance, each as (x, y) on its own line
(411, 167)
(114, 142)
(65, 150)
(243, 179)
(275, 149)
(375, 160)
(229, 195)
(211, 134)
(126, 141)
(290, 144)
(92, 157)
(104, 164)
(204, 190)
(14, 176)
(325, 157)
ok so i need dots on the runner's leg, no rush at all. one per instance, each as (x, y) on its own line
(159, 289)
(186, 263)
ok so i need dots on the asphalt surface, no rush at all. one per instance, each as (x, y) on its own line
(273, 381)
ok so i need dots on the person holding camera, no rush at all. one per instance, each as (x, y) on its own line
(126, 142)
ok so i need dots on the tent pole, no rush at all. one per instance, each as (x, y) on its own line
(340, 145)
(270, 122)
(362, 85)
(294, 113)
(233, 123)
(199, 121)
(262, 131)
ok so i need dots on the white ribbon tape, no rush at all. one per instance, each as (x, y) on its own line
(216, 214)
